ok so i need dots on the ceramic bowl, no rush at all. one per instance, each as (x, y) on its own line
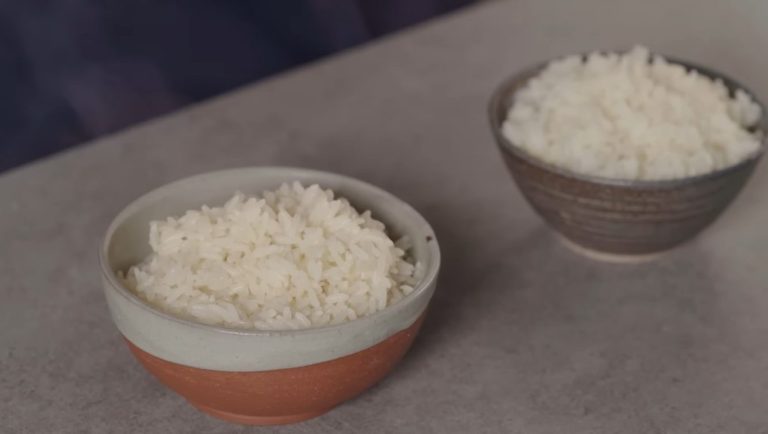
(618, 219)
(263, 377)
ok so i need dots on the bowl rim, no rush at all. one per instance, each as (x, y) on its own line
(497, 113)
(429, 278)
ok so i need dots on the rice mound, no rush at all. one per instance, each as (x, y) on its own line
(294, 258)
(632, 116)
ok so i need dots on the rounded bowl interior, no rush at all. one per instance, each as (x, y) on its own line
(194, 344)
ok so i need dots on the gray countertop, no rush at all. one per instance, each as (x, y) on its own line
(524, 336)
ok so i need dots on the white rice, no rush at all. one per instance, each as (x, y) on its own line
(294, 258)
(632, 116)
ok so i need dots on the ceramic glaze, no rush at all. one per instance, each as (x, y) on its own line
(195, 359)
(636, 218)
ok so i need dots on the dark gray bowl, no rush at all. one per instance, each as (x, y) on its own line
(619, 217)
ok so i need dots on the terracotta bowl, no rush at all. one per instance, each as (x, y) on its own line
(263, 377)
(618, 219)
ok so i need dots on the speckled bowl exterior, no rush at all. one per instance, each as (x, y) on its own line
(263, 377)
(618, 217)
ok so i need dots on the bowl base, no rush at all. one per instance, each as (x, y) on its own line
(245, 419)
(615, 258)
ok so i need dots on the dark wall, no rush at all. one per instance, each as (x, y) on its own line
(72, 70)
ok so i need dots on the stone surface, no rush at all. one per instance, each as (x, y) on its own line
(524, 337)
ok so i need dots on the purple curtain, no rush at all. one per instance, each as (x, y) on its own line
(76, 69)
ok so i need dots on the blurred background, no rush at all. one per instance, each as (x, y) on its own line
(73, 70)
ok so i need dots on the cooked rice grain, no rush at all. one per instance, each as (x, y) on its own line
(293, 258)
(632, 116)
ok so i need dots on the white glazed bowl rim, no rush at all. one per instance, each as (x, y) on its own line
(406, 211)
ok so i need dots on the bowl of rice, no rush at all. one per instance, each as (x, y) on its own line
(628, 154)
(268, 295)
